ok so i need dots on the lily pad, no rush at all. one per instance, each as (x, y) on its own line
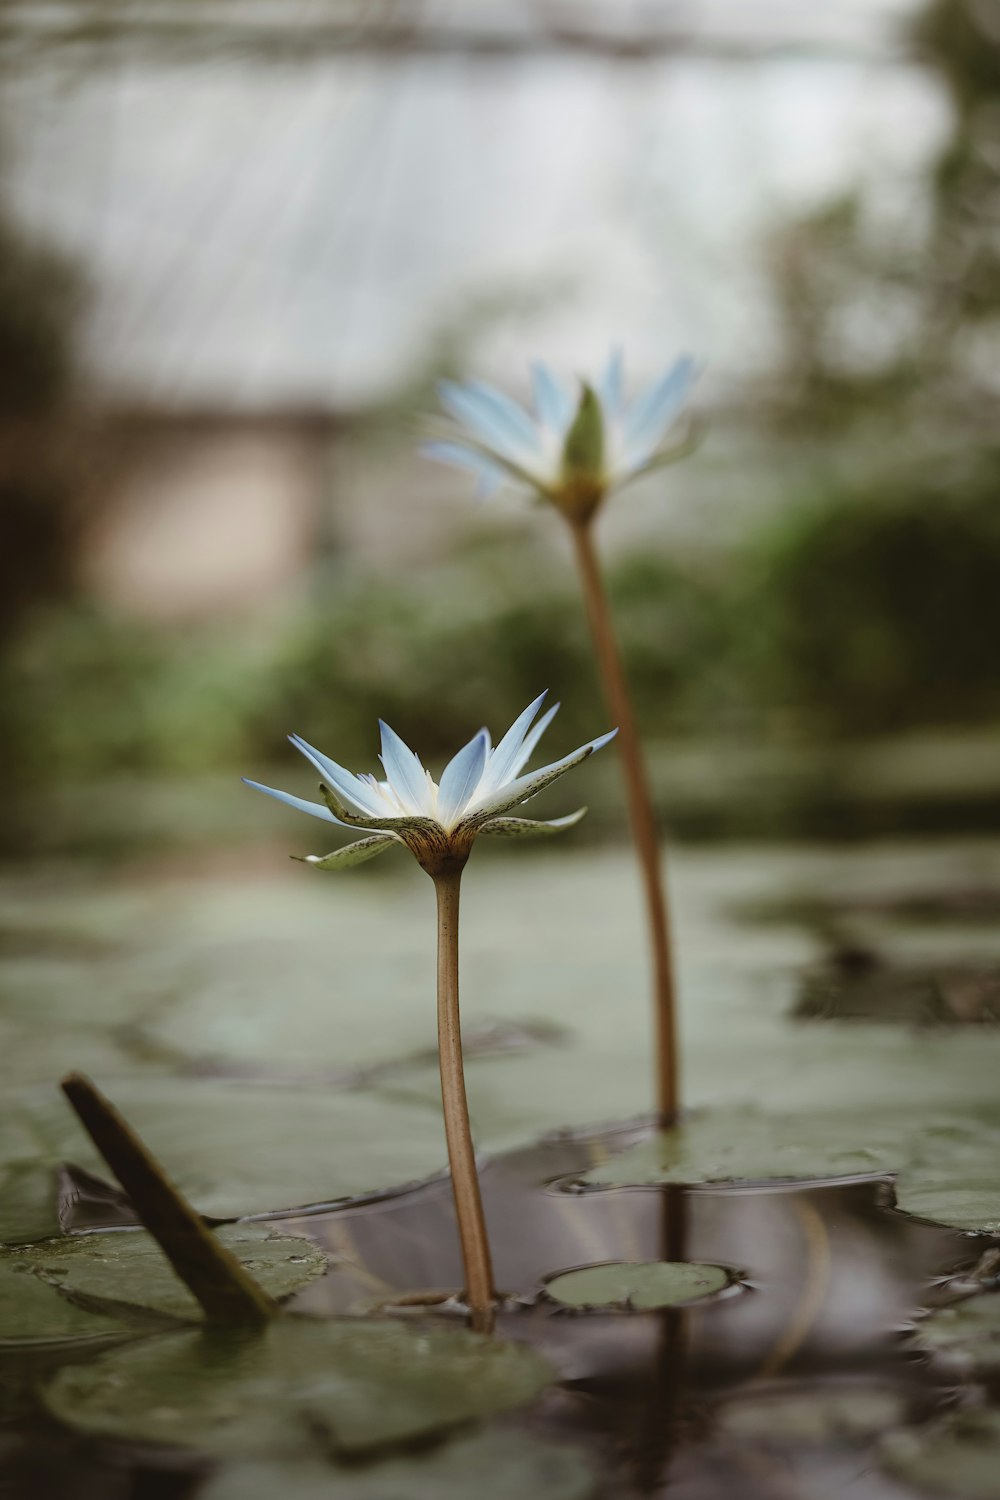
(236, 1149)
(744, 1145)
(126, 1272)
(31, 1312)
(969, 1203)
(966, 1336)
(489, 1465)
(642, 1285)
(361, 1385)
(959, 1458)
(29, 1202)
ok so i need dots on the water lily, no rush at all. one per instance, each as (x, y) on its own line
(572, 451)
(574, 448)
(437, 821)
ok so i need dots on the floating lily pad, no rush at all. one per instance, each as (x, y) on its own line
(959, 1458)
(126, 1271)
(489, 1465)
(29, 1202)
(966, 1336)
(236, 1149)
(963, 1204)
(813, 1416)
(32, 1312)
(361, 1385)
(743, 1145)
(637, 1284)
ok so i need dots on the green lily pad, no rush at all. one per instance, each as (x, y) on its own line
(970, 1203)
(29, 1202)
(489, 1465)
(959, 1458)
(637, 1284)
(361, 1384)
(31, 1312)
(97, 1285)
(126, 1272)
(966, 1335)
(744, 1145)
(236, 1149)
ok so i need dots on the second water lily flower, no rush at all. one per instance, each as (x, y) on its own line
(437, 821)
(573, 449)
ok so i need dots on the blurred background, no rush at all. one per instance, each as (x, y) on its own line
(239, 242)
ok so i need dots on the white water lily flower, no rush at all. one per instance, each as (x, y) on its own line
(573, 450)
(437, 821)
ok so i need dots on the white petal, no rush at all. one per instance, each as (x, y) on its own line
(315, 809)
(611, 386)
(504, 757)
(493, 418)
(352, 854)
(553, 402)
(407, 776)
(461, 776)
(531, 739)
(651, 414)
(524, 787)
(489, 475)
(349, 785)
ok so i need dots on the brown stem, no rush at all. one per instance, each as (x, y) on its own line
(226, 1291)
(641, 816)
(461, 1156)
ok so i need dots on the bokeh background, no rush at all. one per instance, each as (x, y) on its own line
(239, 242)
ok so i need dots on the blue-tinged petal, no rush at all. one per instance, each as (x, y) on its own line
(490, 476)
(553, 402)
(315, 809)
(493, 418)
(611, 386)
(504, 757)
(461, 776)
(351, 854)
(651, 413)
(514, 792)
(407, 776)
(346, 783)
(531, 739)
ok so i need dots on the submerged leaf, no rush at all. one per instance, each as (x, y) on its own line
(959, 1458)
(29, 1202)
(488, 1465)
(966, 1336)
(32, 1312)
(359, 1384)
(640, 1284)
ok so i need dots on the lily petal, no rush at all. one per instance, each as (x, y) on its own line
(651, 413)
(504, 758)
(349, 785)
(611, 386)
(351, 854)
(402, 766)
(490, 476)
(315, 809)
(530, 828)
(524, 787)
(553, 402)
(461, 776)
(492, 417)
(402, 824)
(531, 739)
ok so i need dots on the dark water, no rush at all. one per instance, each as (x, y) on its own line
(824, 1278)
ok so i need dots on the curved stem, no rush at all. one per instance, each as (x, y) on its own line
(461, 1156)
(641, 816)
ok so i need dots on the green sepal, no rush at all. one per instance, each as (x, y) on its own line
(583, 450)
(351, 854)
(530, 828)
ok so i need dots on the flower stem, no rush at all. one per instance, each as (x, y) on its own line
(461, 1156)
(641, 816)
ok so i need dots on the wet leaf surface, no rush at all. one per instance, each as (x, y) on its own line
(489, 1465)
(645, 1285)
(29, 1202)
(361, 1385)
(31, 1312)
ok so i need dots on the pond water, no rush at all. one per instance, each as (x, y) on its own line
(271, 1035)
